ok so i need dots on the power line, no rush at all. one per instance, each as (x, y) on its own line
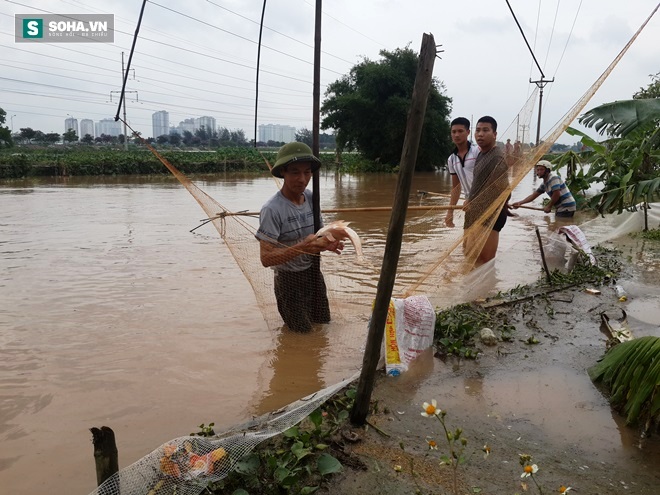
(278, 32)
(552, 32)
(349, 27)
(525, 38)
(565, 47)
(239, 36)
(169, 73)
(188, 51)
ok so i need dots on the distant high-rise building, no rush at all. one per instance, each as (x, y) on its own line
(161, 123)
(86, 127)
(71, 123)
(186, 125)
(207, 122)
(108, 127)
(276, 132)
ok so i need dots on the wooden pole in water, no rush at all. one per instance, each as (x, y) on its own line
(545, 264)
(423, 81)
(105, 453)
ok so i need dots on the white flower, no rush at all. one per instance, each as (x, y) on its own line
(529, 470)
(430, 409)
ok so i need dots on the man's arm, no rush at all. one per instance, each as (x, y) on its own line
(272, 254)
(554, 199)
(529, 198)
(453, 200)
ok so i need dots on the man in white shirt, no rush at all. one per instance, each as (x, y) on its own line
(460, 164)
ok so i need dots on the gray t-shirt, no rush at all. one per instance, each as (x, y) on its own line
(283, 222)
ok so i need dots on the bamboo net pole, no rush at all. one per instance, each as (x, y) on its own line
(346, 210)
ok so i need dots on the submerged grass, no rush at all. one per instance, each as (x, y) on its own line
(456, 328)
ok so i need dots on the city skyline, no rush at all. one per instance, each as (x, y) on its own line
(161, 126)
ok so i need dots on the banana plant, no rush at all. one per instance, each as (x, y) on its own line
(621, 118)
(627, 167)
(631, 370)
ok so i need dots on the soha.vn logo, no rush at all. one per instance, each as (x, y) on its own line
(33, 28)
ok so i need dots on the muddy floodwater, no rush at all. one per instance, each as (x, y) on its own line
(113, 313)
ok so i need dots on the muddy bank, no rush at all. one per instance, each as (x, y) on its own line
(517, 398)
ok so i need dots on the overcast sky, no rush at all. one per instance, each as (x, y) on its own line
(197, 57)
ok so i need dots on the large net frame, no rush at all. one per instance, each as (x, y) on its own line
(433, 259)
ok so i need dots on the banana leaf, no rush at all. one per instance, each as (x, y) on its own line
(631, 370)
(620, 118)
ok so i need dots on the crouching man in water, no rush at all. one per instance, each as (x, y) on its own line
(288, 243)
(560, 197)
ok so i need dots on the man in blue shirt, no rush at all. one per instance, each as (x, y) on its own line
(560, 197)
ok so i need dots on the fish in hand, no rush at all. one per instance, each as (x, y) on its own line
(340, 231)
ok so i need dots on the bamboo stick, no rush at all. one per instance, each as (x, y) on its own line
(347, 210)
(429, 193)
(372, 351)
(535, 208)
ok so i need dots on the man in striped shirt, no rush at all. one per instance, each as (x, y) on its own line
(560, 197)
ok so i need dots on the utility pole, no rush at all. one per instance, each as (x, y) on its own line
(124, 106)
(541, 84)
(525, 128)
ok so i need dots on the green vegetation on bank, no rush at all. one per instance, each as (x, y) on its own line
(82, 160)
(300, 460)
(457, 328)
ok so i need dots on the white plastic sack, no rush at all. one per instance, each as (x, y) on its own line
(408, 332)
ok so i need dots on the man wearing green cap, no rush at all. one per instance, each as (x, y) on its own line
(560, 196)
(288, 243)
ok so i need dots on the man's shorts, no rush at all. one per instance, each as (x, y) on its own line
(501, 219)
(565, 214)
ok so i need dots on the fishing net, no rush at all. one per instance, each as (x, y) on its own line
(433, 260)
(186, 465)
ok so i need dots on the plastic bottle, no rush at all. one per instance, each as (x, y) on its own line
(620, 293)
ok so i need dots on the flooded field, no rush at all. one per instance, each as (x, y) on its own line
(114, 314)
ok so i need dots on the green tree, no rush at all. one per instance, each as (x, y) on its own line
(651, 91)
(327, 140)
(52, 137)
(368, 108)
(175, 139)
(224, 136)
(69, 136)
(27, 134)
(305, 136)
(238, 138)
(87, 139)
(5, 133)
(162, 139)
(187, 138)
(203, 135)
